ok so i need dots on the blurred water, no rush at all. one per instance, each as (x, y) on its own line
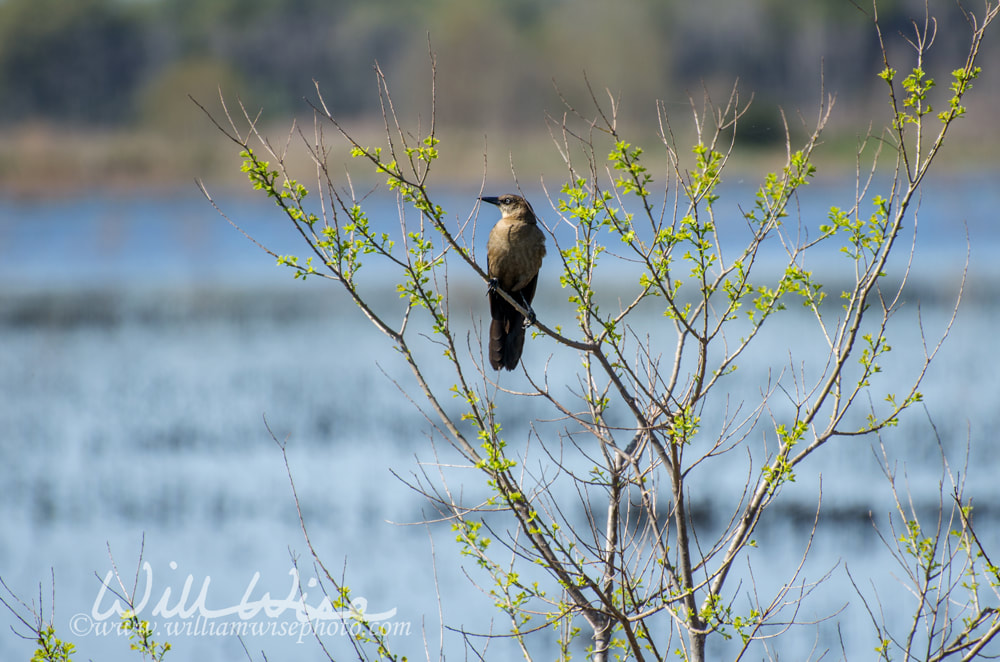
(143, 340)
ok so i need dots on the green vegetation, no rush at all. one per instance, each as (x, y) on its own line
(638, 433)
(623, 567)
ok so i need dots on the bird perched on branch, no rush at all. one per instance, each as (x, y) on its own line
(513, 257)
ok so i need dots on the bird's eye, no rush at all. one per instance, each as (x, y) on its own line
(506, 200)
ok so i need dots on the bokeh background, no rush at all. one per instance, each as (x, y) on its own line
(143, 340)
(95, 92)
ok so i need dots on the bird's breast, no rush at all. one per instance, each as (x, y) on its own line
(514, 252)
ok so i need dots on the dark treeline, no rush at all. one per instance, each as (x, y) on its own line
(109, 62)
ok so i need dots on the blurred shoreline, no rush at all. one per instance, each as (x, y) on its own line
(47, 161)
(97, 95)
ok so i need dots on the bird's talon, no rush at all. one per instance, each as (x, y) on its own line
(491, 285)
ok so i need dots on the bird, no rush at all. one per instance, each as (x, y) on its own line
(514, 255)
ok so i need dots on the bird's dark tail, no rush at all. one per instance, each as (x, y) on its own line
(506, 333)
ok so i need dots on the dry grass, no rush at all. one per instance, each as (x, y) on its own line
(44, 160)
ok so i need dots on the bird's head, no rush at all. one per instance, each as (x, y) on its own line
(512, 206)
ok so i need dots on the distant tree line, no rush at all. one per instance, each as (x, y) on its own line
(109, 62)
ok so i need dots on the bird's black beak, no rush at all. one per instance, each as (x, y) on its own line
(491, 199)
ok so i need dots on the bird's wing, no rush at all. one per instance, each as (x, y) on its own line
(528, 291)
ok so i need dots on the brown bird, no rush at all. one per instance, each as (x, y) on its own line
(514, 255)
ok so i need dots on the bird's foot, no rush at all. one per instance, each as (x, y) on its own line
(491, 285)
(531, 319)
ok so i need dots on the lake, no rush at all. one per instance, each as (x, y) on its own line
(143, 341)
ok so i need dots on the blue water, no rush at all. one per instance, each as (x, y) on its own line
(143, 341)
